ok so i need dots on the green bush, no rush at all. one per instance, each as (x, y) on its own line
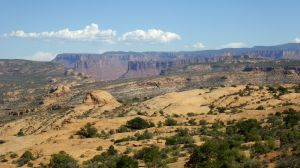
(249, 128)
(260, 148)
(62, 160)
(292, 118)
(139, 123)
(192, 121)
(20, 133)
(88, 131)
(145, 135)
(282, 90)
(260, 108)
(170, 122)
(182, 137)
(128, 138)
(202, 122)
(221, 109)
(151, 156)
(217, 124)
(289, 161)
(122, 128)
(25, 158)
(108, 158)
(126, 162)
(216, 154)
(99, 148)
(290, 136)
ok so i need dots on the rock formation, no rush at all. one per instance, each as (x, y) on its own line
(101, 98)
(115, 65)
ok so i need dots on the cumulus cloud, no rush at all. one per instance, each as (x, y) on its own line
(297, 40)
(198, 45)
(41, 56)
(151, 35)
(90, 33)
(234, 45)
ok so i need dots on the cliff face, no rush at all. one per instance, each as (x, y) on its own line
(115, 65)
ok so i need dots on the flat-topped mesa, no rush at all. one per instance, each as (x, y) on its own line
(116, 65)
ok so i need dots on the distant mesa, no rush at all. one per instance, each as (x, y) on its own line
(126, 65)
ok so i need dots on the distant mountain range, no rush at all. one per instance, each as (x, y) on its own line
(116, 65)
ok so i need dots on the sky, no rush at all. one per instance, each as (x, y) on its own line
(40, 29)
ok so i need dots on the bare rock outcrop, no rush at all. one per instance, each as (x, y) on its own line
(101, 98)
(60, 90)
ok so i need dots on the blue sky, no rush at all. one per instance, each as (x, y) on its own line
(39, 29)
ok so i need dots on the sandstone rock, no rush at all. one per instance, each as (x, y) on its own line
(100, 97)
(60, 90)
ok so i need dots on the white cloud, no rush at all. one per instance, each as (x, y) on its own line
(41, 56)
(90, 33)
(151, 35)
(297, 40)
(234, 45)
(198, 45)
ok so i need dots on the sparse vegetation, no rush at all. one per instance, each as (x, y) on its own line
(88, 131)
(26, 157)
(151, 156)
(63, 160)
(20, 133)
(182, 137)
(138, 123)
(170, 122)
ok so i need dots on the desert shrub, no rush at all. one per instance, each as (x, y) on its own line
(13, 155)
(292, 118)
(202, 122)
(108, 158)
(26, 157)
(249, 128)
(139, 123)
(145, 135)
(216, 153)
(182, 137)
(282, 90)
(272, 89)
(260, 108)
(151, 156)
(170, 122)
(290, 136)
(2, 141)
(191, 114)
(99, 148)
(192, 121)
(126, 162)
(217, 124)
(122, 128)
(297, 89)
(234, 141)
(20, 133)
(221, 109)
(88, 131)
(128, 138)
(29, 164)
(289, 161)
(63, 160)
(274, 120)
(263, 148)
